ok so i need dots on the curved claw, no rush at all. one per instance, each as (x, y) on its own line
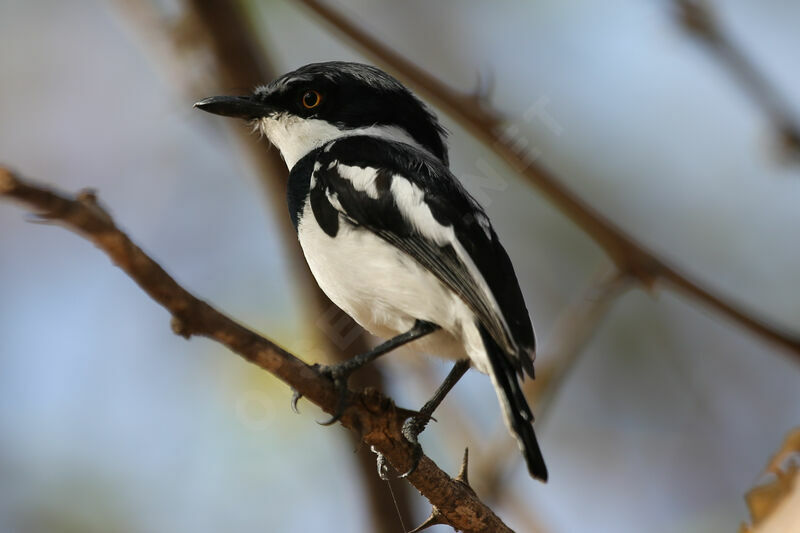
(341, 387)
(331, 421)
(296, 398)
(411, 430)
(407, 414)
(415, 459)
(383, 464)
(383, 467)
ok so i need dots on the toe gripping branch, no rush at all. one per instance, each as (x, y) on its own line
(340, 372)
(416, 421)
(415, 424)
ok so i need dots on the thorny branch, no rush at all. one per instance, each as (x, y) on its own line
(630, 257)
(370, 414)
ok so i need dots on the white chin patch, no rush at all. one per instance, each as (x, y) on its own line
(296, 136)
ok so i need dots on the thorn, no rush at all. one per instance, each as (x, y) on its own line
(697, 17)
(484, 87)
(7, 181)
(434, 519)
(179, 327)
(790, 139)
(88, 198)
(462, 476)
(44, 219)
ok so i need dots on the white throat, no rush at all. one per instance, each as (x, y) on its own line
(296, 136)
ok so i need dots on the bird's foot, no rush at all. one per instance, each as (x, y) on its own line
(340, 372)
(339, 375)
(411, 430)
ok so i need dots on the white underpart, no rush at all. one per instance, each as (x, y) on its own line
(386, 291)
(296, 136)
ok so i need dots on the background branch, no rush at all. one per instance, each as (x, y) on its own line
(700, 18)
(572, 332)
(370, 414)
(630, 257)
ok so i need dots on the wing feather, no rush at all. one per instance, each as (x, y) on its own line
(421, 209)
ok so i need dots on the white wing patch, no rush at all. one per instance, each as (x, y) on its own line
(483, 222)
(362, 178)
(333, 198)
(410, 200)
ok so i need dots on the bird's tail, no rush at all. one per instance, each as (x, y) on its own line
(516, 412)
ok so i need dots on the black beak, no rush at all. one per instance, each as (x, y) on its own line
(235, 106)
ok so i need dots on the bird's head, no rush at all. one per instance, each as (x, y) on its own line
(304, 109)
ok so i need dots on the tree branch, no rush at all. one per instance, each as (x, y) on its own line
(372, 415)
(698, 17)
(630, 257)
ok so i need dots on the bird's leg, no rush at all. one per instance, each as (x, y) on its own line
(340, 372)
(416, 424)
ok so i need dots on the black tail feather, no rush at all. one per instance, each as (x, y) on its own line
(518, 415)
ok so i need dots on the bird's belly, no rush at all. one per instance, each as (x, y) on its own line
(384, 289)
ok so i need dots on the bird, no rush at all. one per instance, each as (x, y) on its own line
(391, 236)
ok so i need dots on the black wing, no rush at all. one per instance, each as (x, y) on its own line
(413, 201)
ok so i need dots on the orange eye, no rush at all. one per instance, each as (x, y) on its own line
(311, 99)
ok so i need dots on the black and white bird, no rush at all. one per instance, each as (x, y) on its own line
(389, 233)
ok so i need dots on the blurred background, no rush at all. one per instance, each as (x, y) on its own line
(660, 422)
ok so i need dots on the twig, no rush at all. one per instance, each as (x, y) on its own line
(698, 17)
(372, 415)
(572, 332)
(630, 257)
